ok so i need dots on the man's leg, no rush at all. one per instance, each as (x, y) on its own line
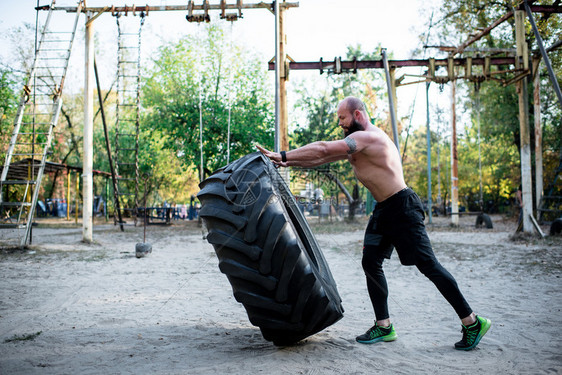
(378, 292)
(414, 248)
(376, 284)
(473, 327)
(446, 284)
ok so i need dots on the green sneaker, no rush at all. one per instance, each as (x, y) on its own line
(376, 334)
(472, 335)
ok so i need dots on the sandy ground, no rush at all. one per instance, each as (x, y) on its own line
(72, 308)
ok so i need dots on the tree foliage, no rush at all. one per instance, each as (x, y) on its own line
(8, 107)
(499, 111)
(224, 78)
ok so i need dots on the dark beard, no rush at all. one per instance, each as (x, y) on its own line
(355, 126)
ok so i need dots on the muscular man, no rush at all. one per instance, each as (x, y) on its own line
(397, 221)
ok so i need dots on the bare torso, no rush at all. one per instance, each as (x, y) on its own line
(377, 165)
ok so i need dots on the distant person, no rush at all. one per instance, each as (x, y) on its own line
(183, 213)
(519, 204)
(192, 211)
(397, 220)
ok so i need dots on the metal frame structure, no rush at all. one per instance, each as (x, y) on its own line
(282, 68)
(519, 70)
(37, 116)
(196, 13)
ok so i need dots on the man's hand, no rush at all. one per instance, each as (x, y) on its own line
(274, 156)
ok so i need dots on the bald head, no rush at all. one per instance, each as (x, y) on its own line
(353, 104)
(352, 115)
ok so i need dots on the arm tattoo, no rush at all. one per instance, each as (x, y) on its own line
(351, 144)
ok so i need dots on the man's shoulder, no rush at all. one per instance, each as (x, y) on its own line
(367, 135)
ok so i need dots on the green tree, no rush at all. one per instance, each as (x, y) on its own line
(8, 107)
(204, 67)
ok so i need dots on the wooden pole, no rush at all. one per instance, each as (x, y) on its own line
(526, 175)
(87, 177)
(454, 159)
(76, 198)
(538, 133)
(277, 145)
(283, 78)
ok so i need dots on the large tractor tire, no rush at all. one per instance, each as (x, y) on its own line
(267, 251)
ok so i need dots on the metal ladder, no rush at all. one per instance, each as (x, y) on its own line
(127, 118)
(37, 115)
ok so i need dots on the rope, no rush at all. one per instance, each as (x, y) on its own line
(229, 101)
(201, 126)
(137, 120)
(477, 90)
(416, 95)
(118, 71)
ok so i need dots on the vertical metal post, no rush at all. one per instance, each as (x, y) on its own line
(479, 147)
(201, 127)
(429, 203)
(87, 178)
(526, 174)
(277, 146)
(229, 100)
(545, 57)
(454, 159)
(438, 173)
(538, 134)
(389, 85)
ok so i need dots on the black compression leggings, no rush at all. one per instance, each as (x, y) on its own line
(431, 268)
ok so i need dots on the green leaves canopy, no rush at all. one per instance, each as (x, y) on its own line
(206, 68)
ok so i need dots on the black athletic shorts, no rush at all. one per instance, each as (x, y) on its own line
(398, 222)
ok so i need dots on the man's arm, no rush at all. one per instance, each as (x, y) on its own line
(316, 153)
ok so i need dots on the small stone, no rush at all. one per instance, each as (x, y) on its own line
(143, 249)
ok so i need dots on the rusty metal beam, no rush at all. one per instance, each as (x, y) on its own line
(548, 9)
(378, 64)
(147, 9)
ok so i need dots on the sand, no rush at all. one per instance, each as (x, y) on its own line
(67, 307)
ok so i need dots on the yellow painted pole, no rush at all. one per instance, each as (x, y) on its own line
(68, 194)
(76, 197)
